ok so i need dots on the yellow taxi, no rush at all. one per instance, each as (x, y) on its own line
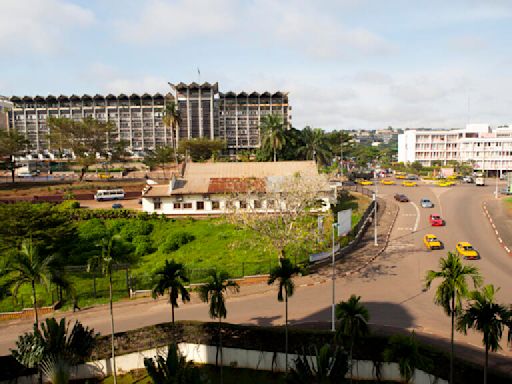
(466, 250)
(366, 182)
(410, 184)
(446, 183)
(432, 242)
(400, 176)
(387, 182)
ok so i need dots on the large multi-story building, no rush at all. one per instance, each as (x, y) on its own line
(204, 112)
(487, 148)
(5, 106)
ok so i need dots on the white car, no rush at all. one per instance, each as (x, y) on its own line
(426, 203)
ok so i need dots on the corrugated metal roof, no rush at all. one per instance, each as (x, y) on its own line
(250, 169)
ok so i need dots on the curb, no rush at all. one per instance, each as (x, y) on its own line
(361, 267)
(498, 237)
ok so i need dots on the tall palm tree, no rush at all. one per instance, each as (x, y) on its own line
(29, 266)
(171, 278)
(329, 365)
(214, 292)
(171, 119)
(173, 369)
(315, 145)
(453, 288)
(284, 274)
(484, 315)
(353, 319)
(272, 127)
(105, 261)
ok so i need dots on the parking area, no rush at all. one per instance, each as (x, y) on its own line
(126, 203)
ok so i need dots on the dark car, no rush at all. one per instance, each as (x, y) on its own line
(401, 198)
(117, 206)
(347, 183)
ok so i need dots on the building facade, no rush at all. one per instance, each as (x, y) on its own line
(5, 107)
(486, 148)
(204, 113)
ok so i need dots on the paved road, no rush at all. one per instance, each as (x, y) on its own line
(391, 287)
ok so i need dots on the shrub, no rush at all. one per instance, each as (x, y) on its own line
(134, 228)
(143, 245)
(69, 204)
(176, 240)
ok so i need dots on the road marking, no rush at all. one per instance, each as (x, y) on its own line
(409, 214)
(404, 229)
(417, 217)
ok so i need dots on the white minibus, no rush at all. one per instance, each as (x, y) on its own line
(109, 194)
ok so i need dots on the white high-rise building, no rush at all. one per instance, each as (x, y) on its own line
(487, 148)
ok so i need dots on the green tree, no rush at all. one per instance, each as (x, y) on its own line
(106, 261)
(284, 274)
(55, 347)
(329, 366)
(173, 369)
(172, 119)
(315, 146)
(353, 323)
(453, 288)
(201, 149)
(416, 166)
(161, 156)
(404, 350)
(12, 144)
(171, 278)
(484, 315)
(214, 292)
(28, 266)
(272, 129)
(86, 138)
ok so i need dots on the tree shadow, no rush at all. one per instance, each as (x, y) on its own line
(265, 320)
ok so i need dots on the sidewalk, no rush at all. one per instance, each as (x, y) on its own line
(500, 220)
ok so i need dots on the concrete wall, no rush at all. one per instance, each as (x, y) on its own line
(234, 357)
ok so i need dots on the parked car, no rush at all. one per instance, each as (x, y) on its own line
(387, 182)
(432, 242)
(468, 180)
(426, 203)
(412, 177)
(436, 221)
(409, 184)
(117, 206)
(401, 198)
(347, 183)
(467, 251)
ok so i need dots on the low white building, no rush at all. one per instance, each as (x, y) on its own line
(487, 148)
(218, 188)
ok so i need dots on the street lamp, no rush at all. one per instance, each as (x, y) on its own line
(333, 316)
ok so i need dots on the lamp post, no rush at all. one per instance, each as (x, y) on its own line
(333, 316)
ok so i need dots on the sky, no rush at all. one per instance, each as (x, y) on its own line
(347, 64)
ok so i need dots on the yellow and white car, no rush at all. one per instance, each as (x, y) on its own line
(387, 182)
(432, 242)
(467, 251)
(446, 183)
(410, 184)
(366, 182)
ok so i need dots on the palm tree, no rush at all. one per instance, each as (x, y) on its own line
(29, 266)
(486, 316)
(315, 145)
(272, 127)
(170, 278)
(353, 319)
(404, 350)
(213, 292)
(329, 366)
(454, 277)
(171, 118)
(173, 369)
(284, 274)
(106, 261)
(55, 348)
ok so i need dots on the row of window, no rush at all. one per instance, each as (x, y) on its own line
(199, 205)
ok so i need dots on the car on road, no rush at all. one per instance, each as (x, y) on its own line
(347, 183)
(436, 220)
(410, 184)
(467, 251)
(432, 242)
(412, 177)
(117, 206)
(426, 203)
(387, 182)
(468, 180)
(366, 182)
(446, 183)
(401, 198)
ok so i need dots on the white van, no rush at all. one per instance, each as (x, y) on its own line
(109, 194)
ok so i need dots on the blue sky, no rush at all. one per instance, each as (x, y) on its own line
(347, 64)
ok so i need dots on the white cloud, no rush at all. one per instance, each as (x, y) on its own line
(39, 25)
(162, 22)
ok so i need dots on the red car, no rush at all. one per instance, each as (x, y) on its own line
(436, 220)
